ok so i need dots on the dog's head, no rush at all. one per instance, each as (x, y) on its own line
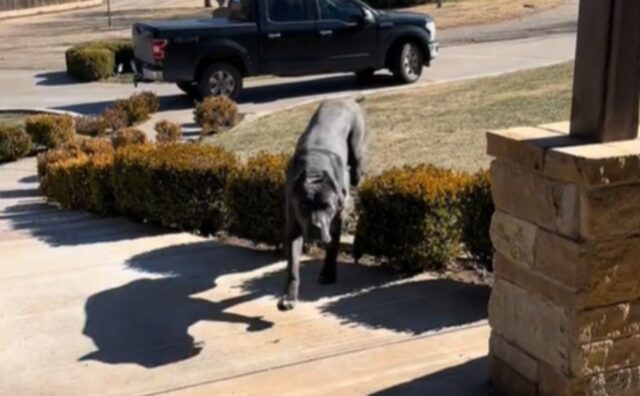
(317, 200)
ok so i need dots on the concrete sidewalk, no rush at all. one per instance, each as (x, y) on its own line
(94, 306)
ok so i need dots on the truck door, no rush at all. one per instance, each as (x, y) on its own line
(349, 36)
(289, 37)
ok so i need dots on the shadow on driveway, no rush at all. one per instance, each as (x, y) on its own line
(146, 322)
(471, 378)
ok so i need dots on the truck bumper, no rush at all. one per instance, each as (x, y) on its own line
(434, 47)
(146, 73)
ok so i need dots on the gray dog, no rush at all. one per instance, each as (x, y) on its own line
(328, 160)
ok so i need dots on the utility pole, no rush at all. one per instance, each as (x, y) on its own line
(109, 12)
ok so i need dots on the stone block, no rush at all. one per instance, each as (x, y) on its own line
(542, 201)
(608, 213)
(509, 381)
(612, 322)
(518, 360)
(513, 238)
(536, 326)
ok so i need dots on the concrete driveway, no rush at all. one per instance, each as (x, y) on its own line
(94, 306)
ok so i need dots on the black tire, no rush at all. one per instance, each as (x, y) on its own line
(365, 76)
(188, 87)
(407, 63)
(229, 76)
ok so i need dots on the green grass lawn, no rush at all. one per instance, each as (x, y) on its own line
(441, 124)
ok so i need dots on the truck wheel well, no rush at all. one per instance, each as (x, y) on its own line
(206, 62)
(397, 44)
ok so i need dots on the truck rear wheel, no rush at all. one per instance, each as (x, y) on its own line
(220, 79)
(408, 62)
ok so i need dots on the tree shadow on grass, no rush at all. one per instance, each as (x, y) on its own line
(468, 379)
(147, 321)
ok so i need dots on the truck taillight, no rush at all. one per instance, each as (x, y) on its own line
(159, 45)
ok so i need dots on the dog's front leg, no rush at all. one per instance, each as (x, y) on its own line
(329, 272)
(293, 248)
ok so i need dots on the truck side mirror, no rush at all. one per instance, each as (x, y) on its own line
(367, 17)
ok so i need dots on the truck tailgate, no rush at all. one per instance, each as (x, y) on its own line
(143, 43)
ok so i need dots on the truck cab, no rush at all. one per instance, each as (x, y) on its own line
(283, 38)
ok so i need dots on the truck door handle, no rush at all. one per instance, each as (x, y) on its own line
(326, 32)
(274, 36)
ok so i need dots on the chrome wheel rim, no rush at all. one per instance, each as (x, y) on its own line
(411, 62)
(222, 83)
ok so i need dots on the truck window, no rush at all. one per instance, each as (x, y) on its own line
(241, 10)
(340, 10)
(290, 10)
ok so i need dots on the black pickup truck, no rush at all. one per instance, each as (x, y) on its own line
(284, 38)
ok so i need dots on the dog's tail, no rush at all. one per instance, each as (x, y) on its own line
(359, 98)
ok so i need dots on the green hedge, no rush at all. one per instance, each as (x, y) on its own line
(15, 143)
(175, 185)
(410, 217)
(98, 60)
(255, 199)
(477, 211)
(216, 114)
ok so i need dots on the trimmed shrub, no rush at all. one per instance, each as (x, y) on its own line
(115, 119)
(168, 132)
(15, 143)
(477, 211)
(50, 130)
(82, 182)
(90, 64)
(255, 199)
(216, 114)
(175, 185)
(138, 107)
(97, 60)
(410, 217)
(67, 151)
(128, 137)
(91, 126)
(150, 99)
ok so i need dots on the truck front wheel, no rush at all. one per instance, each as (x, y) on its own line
(220, 79)
(408, 62)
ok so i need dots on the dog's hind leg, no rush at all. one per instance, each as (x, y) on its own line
(329, 272)
(357, 143)
(293, 249)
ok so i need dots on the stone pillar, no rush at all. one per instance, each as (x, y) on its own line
(565, 308)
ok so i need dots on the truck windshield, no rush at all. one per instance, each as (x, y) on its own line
(241, 10)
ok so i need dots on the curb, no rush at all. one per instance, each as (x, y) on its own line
(37, 110)
(49, 9)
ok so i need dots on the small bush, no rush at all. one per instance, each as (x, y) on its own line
(128, 137)
(151, 100)
(168, 132)
(174, 185)
(115, 119)
(97, 60)
(82, 182)
(91, 126)
(90, 64)
(15, 143)
(50, 130)
(410, 217)
(255, 199)
(216, 114)
(138, 107)
(67, 151)
(477, 211)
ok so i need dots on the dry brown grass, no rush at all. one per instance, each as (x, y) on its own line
(440, 124)
(455, 13)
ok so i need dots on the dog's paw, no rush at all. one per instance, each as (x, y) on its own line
(285, 304)
(327, 278)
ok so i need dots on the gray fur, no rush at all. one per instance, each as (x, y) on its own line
(328, 160)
